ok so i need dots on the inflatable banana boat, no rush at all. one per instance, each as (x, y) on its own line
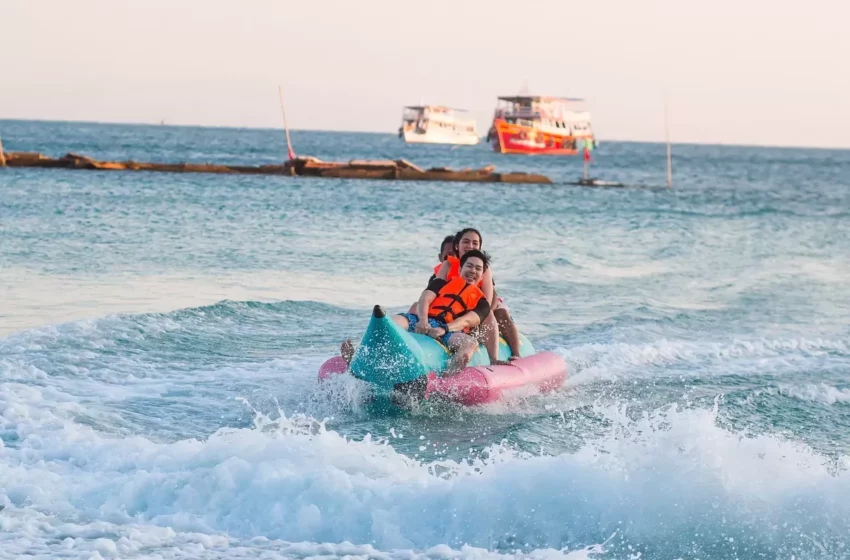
(396, 362)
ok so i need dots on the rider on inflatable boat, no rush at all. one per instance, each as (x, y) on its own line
(452, 308)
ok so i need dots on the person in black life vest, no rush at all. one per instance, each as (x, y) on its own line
(453, 307)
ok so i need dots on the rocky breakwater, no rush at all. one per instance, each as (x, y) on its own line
(397, 170)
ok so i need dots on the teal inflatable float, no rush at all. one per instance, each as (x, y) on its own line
(403, 367)
(389, 355)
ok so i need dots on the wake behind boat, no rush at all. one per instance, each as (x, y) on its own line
(434, 124)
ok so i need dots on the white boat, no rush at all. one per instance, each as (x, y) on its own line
(433, 124)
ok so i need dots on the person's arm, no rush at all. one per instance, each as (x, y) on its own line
(444, 270)
(487, 286)
(470, 318)
(425, 300)
(466, 321)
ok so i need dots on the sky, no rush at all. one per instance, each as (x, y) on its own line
(760, 72)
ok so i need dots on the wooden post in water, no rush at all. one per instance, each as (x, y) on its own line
(2, 155)
(290, 154)
(667, 134)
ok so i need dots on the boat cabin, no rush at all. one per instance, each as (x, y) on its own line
(424, 117)
(564, 114)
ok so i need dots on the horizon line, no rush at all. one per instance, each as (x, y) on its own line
(281, 130)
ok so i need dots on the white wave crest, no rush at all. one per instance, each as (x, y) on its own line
(595, 362)
(668, 475)
(819, 393)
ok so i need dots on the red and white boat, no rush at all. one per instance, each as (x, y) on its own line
(526, 124)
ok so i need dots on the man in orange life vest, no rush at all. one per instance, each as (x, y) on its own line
(452, 308)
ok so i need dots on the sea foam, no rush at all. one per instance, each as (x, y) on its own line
(671, 476)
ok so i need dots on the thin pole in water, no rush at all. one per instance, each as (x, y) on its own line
(586, 161)
(667, 134)
(585, 166)
(289, 153)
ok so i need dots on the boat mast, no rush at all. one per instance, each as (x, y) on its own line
(667, 135)
(290, 154)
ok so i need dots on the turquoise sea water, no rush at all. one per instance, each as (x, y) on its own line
(160, 336)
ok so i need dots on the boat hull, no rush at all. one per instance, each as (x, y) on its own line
(508, 138)
(539, 373)
(434, 137)
(392, 360)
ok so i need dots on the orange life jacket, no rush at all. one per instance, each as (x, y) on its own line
(455, 299)
(454, 267)
(437, 269)
(454, 270)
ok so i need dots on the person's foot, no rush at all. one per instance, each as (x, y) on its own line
(346, 350)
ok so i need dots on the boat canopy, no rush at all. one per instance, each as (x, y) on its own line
(523, 99)
(527, 107)
(437, 113)
(434, 109)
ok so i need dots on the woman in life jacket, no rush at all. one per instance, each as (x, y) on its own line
(500, 320)
(452, 308)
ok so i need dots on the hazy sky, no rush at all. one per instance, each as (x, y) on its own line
(773, 72)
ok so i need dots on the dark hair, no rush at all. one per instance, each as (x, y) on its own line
(447, 239)
(464, 231)
(476, 253)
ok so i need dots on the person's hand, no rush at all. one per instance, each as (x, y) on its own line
(436, 332)
(422, 327)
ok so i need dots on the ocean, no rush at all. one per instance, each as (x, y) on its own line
(160, 336)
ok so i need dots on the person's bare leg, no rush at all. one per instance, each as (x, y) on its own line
(346, 350)
(401, 321)
(463, 347)
(489, 335)
(508, 329)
